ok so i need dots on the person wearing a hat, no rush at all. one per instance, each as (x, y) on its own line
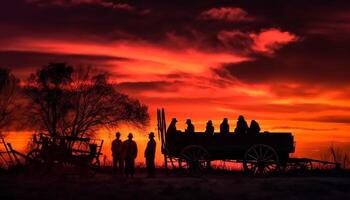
(129, 153)
(242, 126)
(117, 146)
(150, 155)
(172, 127)
(190, 127)
(209, 130)
(224, 127)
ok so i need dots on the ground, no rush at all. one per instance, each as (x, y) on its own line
(24, 185)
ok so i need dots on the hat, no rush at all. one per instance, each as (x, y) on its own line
(240, 117)
(151, 134)
(130, 135)
(188, 121)
(117, 133)
(174, 120)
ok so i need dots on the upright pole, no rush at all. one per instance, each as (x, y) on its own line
(7, 150)
(158, 126)
(163, 129)
(164, 125)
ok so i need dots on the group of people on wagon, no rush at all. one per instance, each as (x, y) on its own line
(242, 127)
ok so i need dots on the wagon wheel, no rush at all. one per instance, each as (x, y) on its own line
(34, 159)
(195, 160)
(95, 163)
(261, 160)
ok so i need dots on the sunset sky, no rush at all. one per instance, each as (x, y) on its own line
(283, 63)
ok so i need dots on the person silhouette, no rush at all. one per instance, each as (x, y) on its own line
(117, 147)
(129, 154)
(172, 127)
(254, 128)
(150, 155)
(242, 126)
(209, 130)
(224, 127)
(190, 127)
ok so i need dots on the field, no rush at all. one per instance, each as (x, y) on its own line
(221, 185)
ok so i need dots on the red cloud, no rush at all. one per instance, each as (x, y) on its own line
(230, 14)
(266, 41)
(269, 40)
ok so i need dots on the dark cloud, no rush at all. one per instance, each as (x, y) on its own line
(343, 119)
(136, 87)
(69, 3)
(24, 60)
(229, 14)
(83, 21)
(153, 21)
(318, 57)
(285, 108)
(313, 61)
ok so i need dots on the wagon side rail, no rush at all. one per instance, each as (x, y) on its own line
(336, 165)
(97, 142)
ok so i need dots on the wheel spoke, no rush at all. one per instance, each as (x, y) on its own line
(268, 157)
(261, 159)
(265, 152)
(255, 158)
(190, 154)
(198, 153)
(260, 152)
(254, 168)
(256, 153)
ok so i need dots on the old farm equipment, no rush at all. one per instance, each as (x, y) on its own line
(260, 154)
(65, 150)
(61, 150)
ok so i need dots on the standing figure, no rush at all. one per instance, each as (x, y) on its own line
(224, 127)
(190, 127)
(254, 128)
(150, 155)
(209, 130)
(129, 154)
(117, 146)
(242, 126)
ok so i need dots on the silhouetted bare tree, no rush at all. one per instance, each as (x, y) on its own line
(95, 102)
(8, 94)
(48, 97)
(75, 102)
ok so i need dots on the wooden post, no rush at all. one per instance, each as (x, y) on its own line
(14, 154)
(7, 150)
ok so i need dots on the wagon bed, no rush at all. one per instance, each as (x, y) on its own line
(231, 146)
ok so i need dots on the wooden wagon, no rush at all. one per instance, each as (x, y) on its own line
(260, 154)
(60, 150)
(65, 150)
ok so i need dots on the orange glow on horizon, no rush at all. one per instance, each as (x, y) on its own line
(310, 141)
(183, 82)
